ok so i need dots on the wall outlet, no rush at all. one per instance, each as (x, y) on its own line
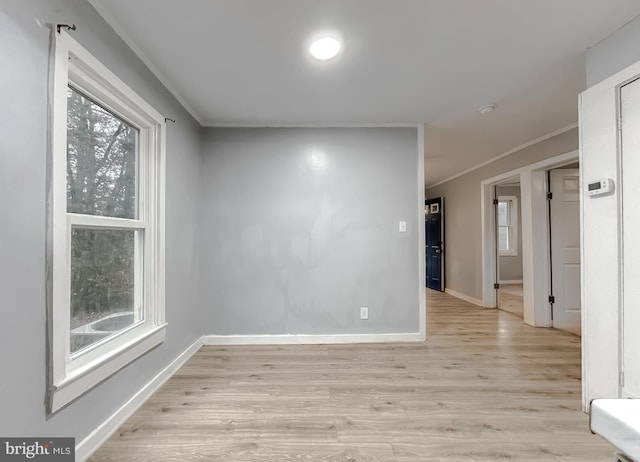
(402, 227)
(364, 312)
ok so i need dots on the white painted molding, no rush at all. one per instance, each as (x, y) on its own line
(464, 297)
(74, 373)
(308, 339)
(510, 281)
(314, 125)
(508, 153)
(85, 378)
(536, 261)
(100, 435)
(422, 269)
(544, 164)
(489, 246)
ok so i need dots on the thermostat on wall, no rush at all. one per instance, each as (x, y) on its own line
(600, 187)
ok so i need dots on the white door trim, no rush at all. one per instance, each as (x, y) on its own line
(535, 245)
(601, 242)
(422, 269)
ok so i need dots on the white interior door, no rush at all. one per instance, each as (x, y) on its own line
(630, 185)
(565, 248)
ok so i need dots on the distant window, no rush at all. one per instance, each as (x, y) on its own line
(507, 211)
(107, 225)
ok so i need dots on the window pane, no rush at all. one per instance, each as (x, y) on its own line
(503, 238)
(503, 213)
(101, 160)
(103, 278)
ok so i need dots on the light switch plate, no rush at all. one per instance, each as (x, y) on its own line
(364, 312)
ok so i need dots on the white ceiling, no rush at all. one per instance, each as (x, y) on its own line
(245, 63)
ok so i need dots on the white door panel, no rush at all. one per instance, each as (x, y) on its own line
(630, 190)
(565, 248)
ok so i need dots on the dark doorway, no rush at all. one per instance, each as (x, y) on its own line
(434, 229)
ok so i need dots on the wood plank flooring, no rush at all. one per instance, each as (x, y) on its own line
(511, 299)
(484, 387)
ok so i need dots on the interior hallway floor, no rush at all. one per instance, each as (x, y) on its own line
(484, 387)
(511, 299)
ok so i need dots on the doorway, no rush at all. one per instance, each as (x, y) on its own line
(564, 239)
(434, 243)
(509, 246)
(536, 255)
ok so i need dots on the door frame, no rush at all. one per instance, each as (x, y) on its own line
(496, 196)
(536, 264)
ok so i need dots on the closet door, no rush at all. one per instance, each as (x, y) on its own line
(630, 190)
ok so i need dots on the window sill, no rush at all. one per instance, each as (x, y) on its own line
(508, 254)
(82, 380)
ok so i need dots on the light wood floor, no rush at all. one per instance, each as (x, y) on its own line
(511, 299)
(485, 387)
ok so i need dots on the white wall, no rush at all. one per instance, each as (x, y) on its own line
(301, 230)
(601, 218)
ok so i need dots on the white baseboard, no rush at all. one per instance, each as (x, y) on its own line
(304, 339)
(464, 297)
(100, 435)
(514, 281)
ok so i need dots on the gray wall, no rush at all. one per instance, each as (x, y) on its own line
(463, 246)
(510, 267)
(24, 48)
(613, 54)
(301, 230)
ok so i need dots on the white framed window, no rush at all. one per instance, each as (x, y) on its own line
(507, 219)
(107, 225)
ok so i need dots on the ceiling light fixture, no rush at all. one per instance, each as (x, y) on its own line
(486, 109)
(325, 48)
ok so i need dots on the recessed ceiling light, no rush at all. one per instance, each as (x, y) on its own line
(325, 48)
(487, 109)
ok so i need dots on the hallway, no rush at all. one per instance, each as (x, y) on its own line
(510, 299)
(485, 387)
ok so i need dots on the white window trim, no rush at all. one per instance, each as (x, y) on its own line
(512, 251)
(70, 376)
